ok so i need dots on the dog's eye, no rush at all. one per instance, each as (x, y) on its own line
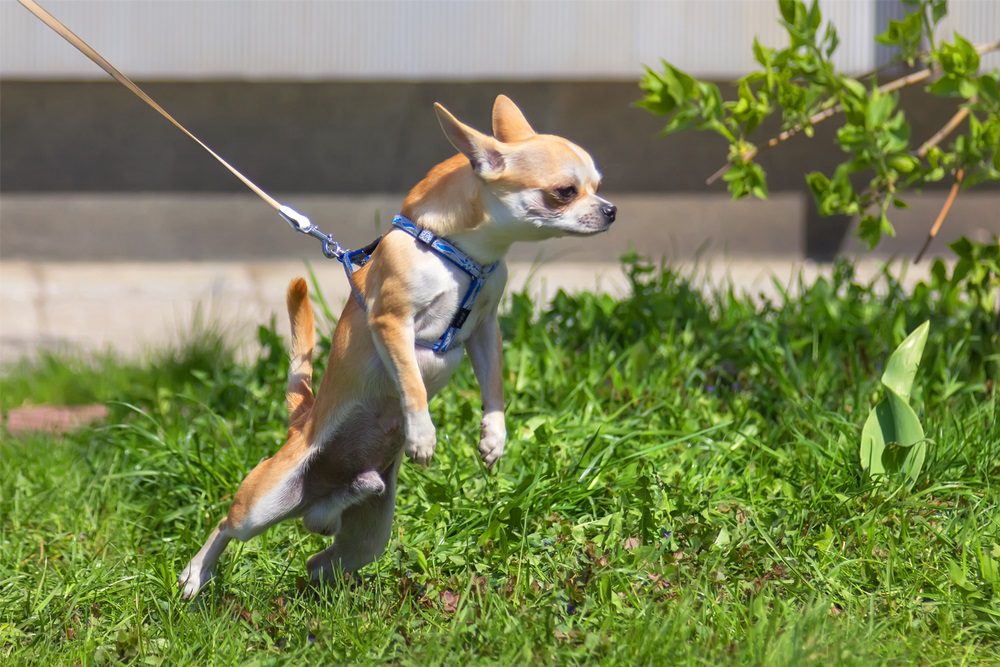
(566, 193)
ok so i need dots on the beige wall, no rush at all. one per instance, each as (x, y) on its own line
(426, 39)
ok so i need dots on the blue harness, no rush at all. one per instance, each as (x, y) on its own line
(478, 274)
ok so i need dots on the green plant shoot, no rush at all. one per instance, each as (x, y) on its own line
(892, 439)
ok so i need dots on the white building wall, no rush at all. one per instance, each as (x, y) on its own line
(426, 39)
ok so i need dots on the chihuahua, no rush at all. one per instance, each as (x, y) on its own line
(337, 469)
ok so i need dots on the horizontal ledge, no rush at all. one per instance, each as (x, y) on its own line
(237, 227)
(131, 307)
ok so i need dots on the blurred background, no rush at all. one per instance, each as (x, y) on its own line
(116, 230)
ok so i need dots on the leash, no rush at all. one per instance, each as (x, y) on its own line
(297, 221)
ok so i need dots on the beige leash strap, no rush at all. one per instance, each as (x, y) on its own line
(297, 220)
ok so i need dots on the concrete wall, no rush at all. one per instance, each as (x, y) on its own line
(338, 137)
(357, 145)
(353, 149)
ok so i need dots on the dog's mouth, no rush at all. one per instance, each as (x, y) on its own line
(587, 225)
(588, 230)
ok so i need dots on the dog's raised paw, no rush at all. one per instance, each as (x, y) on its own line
(421, 453)
(490, 449)
(492, 439)
(421, 438)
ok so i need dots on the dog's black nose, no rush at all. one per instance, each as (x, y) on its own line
(609, 211)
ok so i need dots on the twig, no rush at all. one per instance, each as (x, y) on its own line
(774, 141)
(948, 128)
(819, 116)
(959, 175)
(894, 85)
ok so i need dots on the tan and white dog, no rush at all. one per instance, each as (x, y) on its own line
(337, 470)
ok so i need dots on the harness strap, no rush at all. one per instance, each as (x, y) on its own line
(443, 246)
(456, 256)
(447, 250)
(351, 258)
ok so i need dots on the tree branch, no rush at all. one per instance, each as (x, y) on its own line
(959, 175)
(902, 82)
(947, 129)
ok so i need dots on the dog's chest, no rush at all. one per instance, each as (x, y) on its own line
(442, 288)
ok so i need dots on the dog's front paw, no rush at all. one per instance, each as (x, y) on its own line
(492, 438)
(421, 437)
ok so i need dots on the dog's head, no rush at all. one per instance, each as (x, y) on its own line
(535, 185)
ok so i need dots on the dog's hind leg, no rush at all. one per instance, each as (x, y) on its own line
(324, 516)
(364, 531)
(273, 490)
(271, 493)
(202, 567)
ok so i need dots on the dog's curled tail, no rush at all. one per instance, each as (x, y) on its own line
(299, 394)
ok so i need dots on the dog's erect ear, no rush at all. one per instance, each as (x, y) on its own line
(483, 151)
(509, 124)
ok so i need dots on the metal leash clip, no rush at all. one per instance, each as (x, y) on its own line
(300, 223)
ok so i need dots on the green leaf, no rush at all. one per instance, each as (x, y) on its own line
(854, 87)
(962, 247)
(958, 577)
(939, 9)
(906, 35)
(946, 86)
(892, 438)
(873, 442)
(815, 16)
(787, 8)
(914, 460)
(825, 543)
(870, 230)
(879, 109)
(906, 428)
(820, 186)
(761, 54)
(989, 88)
(902, 365)
(968, 51)
(989, 569)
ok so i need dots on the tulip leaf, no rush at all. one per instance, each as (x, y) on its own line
(892, 439)
(873, 439)
(907, 430)
(902, 366)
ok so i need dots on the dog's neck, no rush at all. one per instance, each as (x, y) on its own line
(449, 201)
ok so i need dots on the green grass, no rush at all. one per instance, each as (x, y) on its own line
(681, 486)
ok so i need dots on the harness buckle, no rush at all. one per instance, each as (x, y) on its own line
(460, 317)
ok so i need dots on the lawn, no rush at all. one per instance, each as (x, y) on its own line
(681, 486)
